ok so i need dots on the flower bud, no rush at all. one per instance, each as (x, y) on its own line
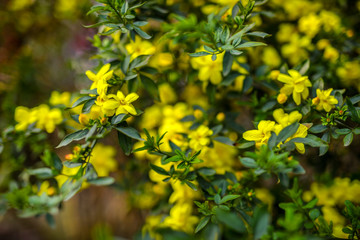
(83, 119)
(281, 98)
(198, 114)
(316, 101)
(220, 116)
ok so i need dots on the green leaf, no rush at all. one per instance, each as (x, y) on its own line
(118, 118)
(125, 143)
(207, 171)
(231, 220)
(313, 142)
(227, 63)
(236, 52)
(238, 35)
(81, 101)
(342, 131)
(355, 99)
(287, 132)
(227, 47)
(229, 198)
(314, 213)
(224, 140)
(141, 33)
(318, 128)
(303, 70)
(175, 158)
(139, 61)
(42, 173)
(356, 131)
(159, 170)
(258, 34)
(199, 54)
(261, 219)
(246, 145)
(248, 162)
(87, 106)
(311, 204)
(353, 111)
(203, 222)
(76, 136)
(191, 185)
(102, 181)
(150, 87)
(251, 44)
(217, 199)
(348, 139)
(130, 132)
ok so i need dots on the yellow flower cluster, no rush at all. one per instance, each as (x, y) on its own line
(111, 104)
(265, 127)
(331, 197)
(43, 117)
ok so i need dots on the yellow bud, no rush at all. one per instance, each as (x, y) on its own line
(77, 149)
(316, 101)
(250, 194)
(198, 114)
(350, 33)
(83, 119)
(220, 116)
(281, 98)
(274, 74)
(103, 121)
(233, 136)
(69, 156)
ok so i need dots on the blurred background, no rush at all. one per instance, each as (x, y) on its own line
(44, 47)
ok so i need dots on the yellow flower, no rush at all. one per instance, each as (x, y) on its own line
(180, 218)
(100, 79)
(350, 73)
(199, 138)
(24, 116)
(57, 98)
(167, 93)
(285, 119)
(46, 188)
(281, 98)
(209, 70)
(324, 100)
(330, 21)
(139, 47)
(262, 134)
(296, 85)
(310, 24)
(271, 57)
(300, 133)
(117, 104)
(47, 118)
(331, 53)
(103, 159)
(295, 50)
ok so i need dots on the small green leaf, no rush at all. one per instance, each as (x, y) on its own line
(130, 132)
(102, 181)
(81, 101)
(125, 143)
(248, 162)
(229, 198)
(118, 118)
(348, 139)
(231, 220)
(76, 136)
(207, 171)
(311, 204)
(314, 213)
(217, 199)
(318, 128)
(199, 54)
(251, 44)
(287, 132)
(227, 63)
(42, 173)
(203, 222)
(150, 86)
(175, 158)
(342, 131)
(159, 170)
(258, 34)
(141, 33)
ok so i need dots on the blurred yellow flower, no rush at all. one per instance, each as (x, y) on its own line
(209, 70)
(181, 218)
(285, 119)
(324, 101)
(47, 118)
(200, 137)
(139, 47)
(58, 98)
(24, 116)
(310, 24)
(296, 85)
(103, 159)
(167, 93)
(271, 57)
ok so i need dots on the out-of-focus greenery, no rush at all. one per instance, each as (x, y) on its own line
(217, 119)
